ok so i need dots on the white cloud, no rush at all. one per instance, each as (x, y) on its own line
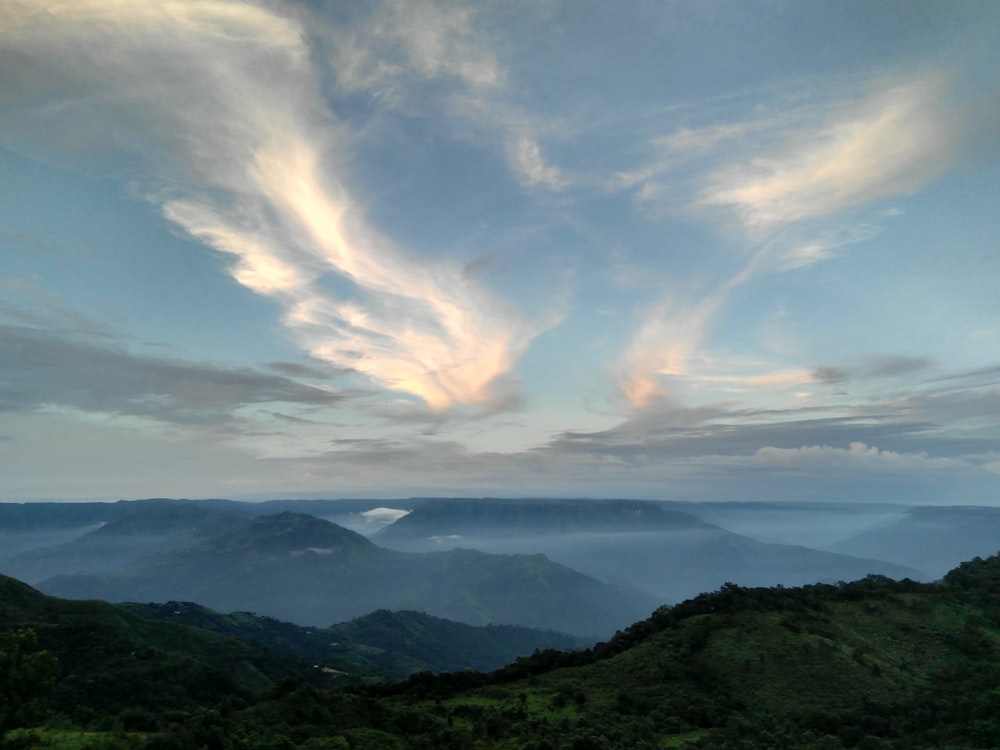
(413, 38)
(808, 163)
(217, 103)
(890, 143)
(697, 141)
(856, 454)
(531, 166)
(382, 516)
(662, 346)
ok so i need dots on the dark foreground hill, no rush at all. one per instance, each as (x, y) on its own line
(193, 655)
(381, 644)
(309, 571)
(871, 664)
(110, 658)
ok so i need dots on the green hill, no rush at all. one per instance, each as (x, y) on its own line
(871, 664)
(380, 644)
(111, 659)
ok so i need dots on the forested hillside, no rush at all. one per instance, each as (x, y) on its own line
(870, 664)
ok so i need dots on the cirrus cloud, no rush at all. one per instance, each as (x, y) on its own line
(215, 108)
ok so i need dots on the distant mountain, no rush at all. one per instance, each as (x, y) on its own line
(668, 553)
(123, 543)
(933, 539)
(495, 518)
(382, 643)
(816, 524)
(305, 570)
(36, 525)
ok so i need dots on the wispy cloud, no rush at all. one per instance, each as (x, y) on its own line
(221, 101)
(406, 39)
(783, 176)
(532, 167)
(891, 142)
(449, 46)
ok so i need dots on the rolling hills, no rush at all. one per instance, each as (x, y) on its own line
(381, 644)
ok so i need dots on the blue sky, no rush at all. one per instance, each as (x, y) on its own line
(705, 250)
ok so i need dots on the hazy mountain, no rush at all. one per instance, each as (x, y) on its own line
(934, 539)
(35, 525)
(808, 523)
(121, 544)
(309, 571)
(669, 553)
(496, 518)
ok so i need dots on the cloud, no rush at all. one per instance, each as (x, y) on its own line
(531, 166)
(404, 40)
(383, 516)
(891, 366)
(45, 369)
(830, 375)
(215, 106)
(857, 453)
(434, 59)
(696, 141)
(807, 163)
(314, 371)
(670, 344)
(890, 143)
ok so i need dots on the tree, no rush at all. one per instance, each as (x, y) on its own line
(27, 676)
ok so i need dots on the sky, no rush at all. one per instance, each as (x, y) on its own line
(679, 250)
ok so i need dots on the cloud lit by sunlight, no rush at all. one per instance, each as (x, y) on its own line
(893, 142)
(224, 97)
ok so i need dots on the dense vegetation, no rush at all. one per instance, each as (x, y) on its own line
(870, 664)
(382, 644)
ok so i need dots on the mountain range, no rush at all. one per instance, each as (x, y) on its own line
(309, 571)
(935, 539)
(669, 553)
(587, 567)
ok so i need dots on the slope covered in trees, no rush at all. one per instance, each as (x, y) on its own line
(870, 664)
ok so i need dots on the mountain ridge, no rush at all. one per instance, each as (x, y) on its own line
(310, 571)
